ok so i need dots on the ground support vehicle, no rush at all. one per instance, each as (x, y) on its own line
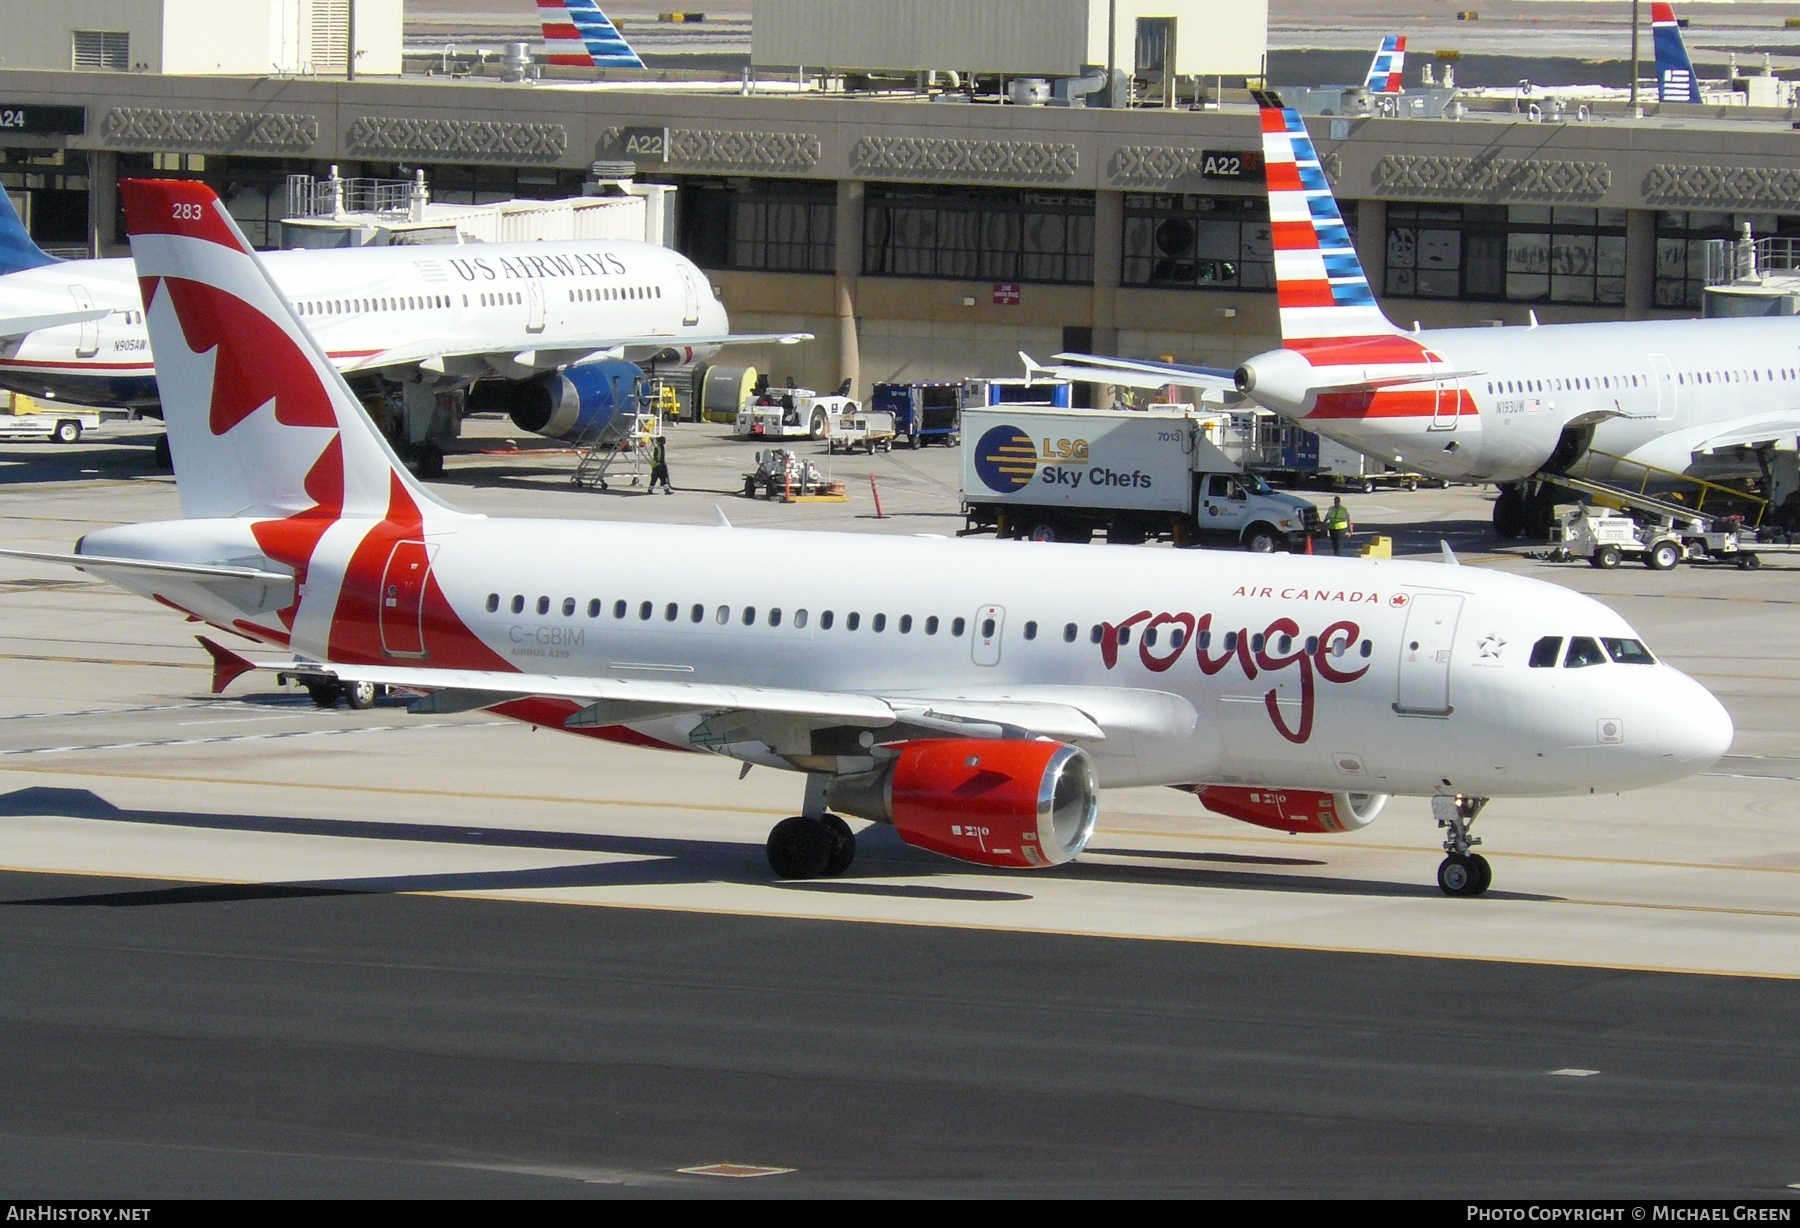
(1287, 453)
(32, 419)
(792, 413)
(1606, 538)
(869, 429)
(784, 474)
(1049, 393)
(1063, 475)
(923, 413)
(326, 690)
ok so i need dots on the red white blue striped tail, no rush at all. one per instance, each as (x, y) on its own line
(1388, 67)
(578, 34)
(1319, 280)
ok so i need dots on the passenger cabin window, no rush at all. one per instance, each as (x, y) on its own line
(645, 610)
(568, 607)
(518, 603)
(543, 605)
(799, 618)
(1582, 653)
(906, 624)
(852, 621)
(958, 626)
(878, 623)
(594, 608)
(1070, 630)
(493, 602)
(619, 609)
(1628, 652)
(1545, 652)
(825, 620)
(1031, 631)
(931, 625)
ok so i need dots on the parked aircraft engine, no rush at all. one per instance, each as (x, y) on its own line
(578, 404)
(1293, 810)
(1014, 805)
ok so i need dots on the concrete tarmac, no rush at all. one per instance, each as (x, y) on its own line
(253, 946)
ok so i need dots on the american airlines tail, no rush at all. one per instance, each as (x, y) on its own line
(1323, 295)
(578, 34)
(1389, 65)
(1675, 79)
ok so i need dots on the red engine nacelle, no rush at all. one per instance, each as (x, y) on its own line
(1293, 810)
(1015, 805)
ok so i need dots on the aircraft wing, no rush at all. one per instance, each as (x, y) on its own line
(100, 564)
(18, 326)
(1756, 429)
(1063, 713)
(554, 352)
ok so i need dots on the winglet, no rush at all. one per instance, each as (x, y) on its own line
(228, 667)
(1450, 558)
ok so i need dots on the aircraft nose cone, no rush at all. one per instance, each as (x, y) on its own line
(1696, 731)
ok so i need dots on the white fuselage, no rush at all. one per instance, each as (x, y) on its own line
(1340, 651)
(1655, 391)
(496, 299)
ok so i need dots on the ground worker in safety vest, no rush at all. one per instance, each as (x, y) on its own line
(1337, 520)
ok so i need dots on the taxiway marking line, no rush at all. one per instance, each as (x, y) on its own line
(166, 743)
(549, 896)
(22, 656)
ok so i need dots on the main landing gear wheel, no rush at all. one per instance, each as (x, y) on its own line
(1462, 872)
(1509, 512)
(801, 848)
(843, 845)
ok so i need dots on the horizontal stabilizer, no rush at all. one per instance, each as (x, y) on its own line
(18, 326)
(1132, 373)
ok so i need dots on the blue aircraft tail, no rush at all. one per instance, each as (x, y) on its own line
(17, 251)
(1675, 79)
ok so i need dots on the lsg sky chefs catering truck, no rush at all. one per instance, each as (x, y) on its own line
(1062, 475)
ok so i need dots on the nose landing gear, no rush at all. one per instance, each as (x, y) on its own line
(1461, 872)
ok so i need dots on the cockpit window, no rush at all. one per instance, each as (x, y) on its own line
(1545, 652)
(1583, 651)
(1628, 652)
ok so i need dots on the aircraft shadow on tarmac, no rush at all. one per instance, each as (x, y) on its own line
(654, 861)
(32, 463)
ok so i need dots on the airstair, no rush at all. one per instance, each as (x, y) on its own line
(621, 448)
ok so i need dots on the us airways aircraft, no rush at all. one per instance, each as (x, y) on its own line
(1485, 404)
(1675, 79)
(965, 692)
(553, 330)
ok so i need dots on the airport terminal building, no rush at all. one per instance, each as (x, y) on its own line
(921, 234)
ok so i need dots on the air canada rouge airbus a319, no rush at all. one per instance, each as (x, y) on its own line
(976, 695)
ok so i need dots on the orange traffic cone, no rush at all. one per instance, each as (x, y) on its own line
(1309, 543)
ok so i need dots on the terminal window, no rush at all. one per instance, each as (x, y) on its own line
(1197, 241)
(1681, 239)
(979, 234)
(759, 225)
(1510, 253)
(107, 49)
